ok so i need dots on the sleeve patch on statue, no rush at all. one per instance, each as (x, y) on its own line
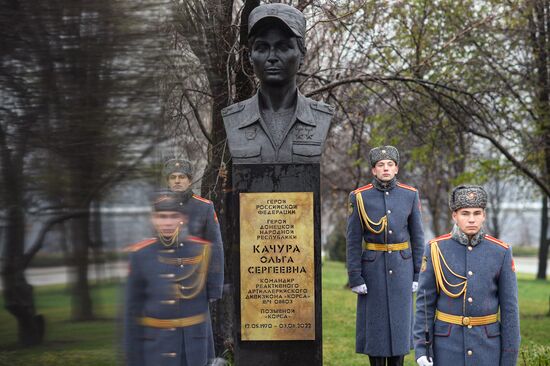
(350, 208)
(424, 264)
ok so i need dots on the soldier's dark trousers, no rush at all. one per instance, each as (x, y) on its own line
(391, 361)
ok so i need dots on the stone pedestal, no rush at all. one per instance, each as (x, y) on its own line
(278, 273)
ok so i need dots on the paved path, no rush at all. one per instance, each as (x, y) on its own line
(529, 265)
(57, 275)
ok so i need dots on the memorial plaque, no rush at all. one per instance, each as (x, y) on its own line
(277, 266)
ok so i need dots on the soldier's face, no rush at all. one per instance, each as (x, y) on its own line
(469, 220)
(167, 222)
(275, 56)
(385, 170)
(178, 182)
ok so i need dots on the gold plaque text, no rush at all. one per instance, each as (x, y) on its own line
(277, 266)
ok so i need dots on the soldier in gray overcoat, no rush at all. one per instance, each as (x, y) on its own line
(467, 278)
(385, 241)
(171, 280)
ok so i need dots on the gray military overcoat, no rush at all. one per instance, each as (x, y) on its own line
(384, 314)
(492, 286)
(155, 278)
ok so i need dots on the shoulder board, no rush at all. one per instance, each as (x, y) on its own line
(140, 245)
(232, 109)
(496, 241)
(201, 199)
(440, 238)
(364, 188)
(196, 239)
(406, 187)
(322, 107)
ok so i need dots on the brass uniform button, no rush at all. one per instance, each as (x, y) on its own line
(470, 248)
(470, 300)
(465, 321)
(470, 352)
(470, 273)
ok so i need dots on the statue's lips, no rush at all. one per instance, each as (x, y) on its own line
(272, 70)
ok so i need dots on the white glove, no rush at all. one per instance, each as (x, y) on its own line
(415, 286)
(360, 290)
(423, 361)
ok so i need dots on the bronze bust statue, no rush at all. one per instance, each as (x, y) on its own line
(278, 124)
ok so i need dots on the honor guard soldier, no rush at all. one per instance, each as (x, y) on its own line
(385, 241)
(467, 277)
(171, 280)
(278, 124)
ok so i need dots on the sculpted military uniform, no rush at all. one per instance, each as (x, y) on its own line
(464, 283)
(167, 320)
(251, 142)
(384, 250)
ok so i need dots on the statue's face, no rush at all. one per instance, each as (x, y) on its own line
(275, 56)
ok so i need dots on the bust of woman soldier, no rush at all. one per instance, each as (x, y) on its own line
(278, 124)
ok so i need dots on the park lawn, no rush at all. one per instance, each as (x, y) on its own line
(97, 343)
(92, 343)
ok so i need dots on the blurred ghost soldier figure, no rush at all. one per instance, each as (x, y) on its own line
(466, 278)
(385, 241)
(171, 280)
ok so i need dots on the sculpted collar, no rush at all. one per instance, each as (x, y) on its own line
(384, 186)
(462, 238)
(251, 112)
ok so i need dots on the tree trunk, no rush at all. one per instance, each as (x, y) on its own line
(82, 307)
(18, 294)
(544, 240)
(540, 36)
(223, 314)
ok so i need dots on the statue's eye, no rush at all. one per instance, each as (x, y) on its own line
(260, 47)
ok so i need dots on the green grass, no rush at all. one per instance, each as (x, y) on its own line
(67, 343)
(97, 343)
(524, 251)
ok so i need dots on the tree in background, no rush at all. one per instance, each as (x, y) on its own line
(78, 89)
